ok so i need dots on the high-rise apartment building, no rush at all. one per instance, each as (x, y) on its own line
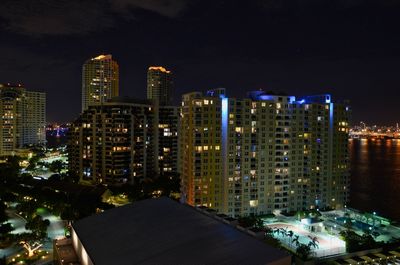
(35, 118)
(167, 142)
(159, 85)
(100, 80)
(123, 140)
(263, 153)
(23, 118)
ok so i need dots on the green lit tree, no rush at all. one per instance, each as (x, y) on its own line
(303, 251)
(9, 170)
(38, 226)
(251, 221)
(5, 228)
(32, 241)
(32, 163)
(3, 214)
(56, 166)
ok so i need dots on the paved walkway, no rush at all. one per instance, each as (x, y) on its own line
(55, 229)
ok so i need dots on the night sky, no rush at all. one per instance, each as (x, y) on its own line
(350, 48)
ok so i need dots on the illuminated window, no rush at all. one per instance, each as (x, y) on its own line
(198, 148)
(253, 203)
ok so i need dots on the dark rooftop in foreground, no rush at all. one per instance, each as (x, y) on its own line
(162, 231)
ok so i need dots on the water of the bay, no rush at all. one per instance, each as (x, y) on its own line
(375, 176)
(54, 142)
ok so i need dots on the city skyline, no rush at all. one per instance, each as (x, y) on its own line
(189, 131)
(346, 48)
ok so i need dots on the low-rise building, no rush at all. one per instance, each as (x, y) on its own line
(162, 231)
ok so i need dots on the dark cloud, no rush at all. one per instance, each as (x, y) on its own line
(277, 4)
(48, 17)
(15, 59)
(346, 47)
(72, 17)
(169, 8)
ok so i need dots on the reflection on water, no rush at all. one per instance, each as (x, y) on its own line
(375, 176)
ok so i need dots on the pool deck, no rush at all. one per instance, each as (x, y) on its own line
(328, 240)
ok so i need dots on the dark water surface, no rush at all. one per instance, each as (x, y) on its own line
(53, 141)
(375, 176)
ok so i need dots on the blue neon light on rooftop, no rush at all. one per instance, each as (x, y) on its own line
(327, 98)
(324, 98)
(265, 97)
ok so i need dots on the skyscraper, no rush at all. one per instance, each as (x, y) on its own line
(23, 118)
(100, 80)
(123, 140)
(167, 142)
(35, 118)
(159, 85)
(264, 153)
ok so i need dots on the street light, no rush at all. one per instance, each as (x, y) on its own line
(373, 219)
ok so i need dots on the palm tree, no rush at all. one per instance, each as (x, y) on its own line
(283, 232)
(290, 235)
(303, 251)
(296, 240)
(313, 243)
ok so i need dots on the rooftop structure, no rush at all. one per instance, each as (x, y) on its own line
(162, 231)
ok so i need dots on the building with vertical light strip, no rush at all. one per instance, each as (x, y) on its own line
(23, 118)
(264, 153)
(159, 85)
(100, 80)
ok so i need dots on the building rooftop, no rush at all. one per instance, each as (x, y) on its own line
(162, 231)
(102, 57)
(129, 100)
(66, 252)
(159, 68)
